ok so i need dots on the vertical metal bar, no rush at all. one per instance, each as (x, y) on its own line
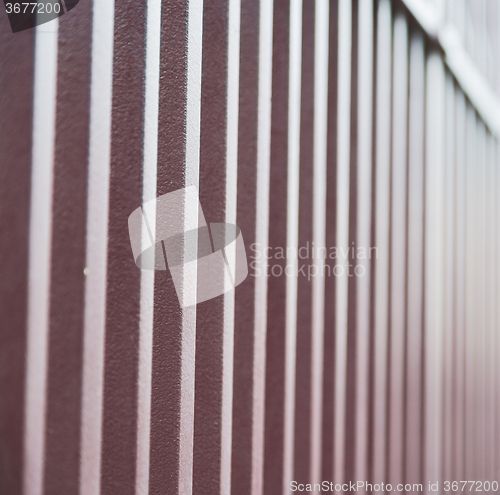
(244, 311)
(496, 321)
(321, 56)
(305, 215)
(119, 432)
(363, 252)
(328, 393)
(174, 329)
(192, 177)
(398, 248)
(434, 244)
(210, 404)
(97, 239)
(262, 239)
(497, 310)
(490, 273)
(382, 239)
(449, 323)
(151, 102)
(460, 286)
(44, 107)
(342, 235)
(67, 290)
(294, 75)
(470, 297)
(351, 343)
(414, 298)
(480, 460)
(232, 107)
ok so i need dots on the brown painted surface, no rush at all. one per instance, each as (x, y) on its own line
(64, 380)
(16, 79)
(167, 324)
(276, 298)
(469, 441)
(241, 466)
(210, 314)
(304, 289)
(119, 429)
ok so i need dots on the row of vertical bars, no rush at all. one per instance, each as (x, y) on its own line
(333, 123)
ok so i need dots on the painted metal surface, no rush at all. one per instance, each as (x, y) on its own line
(366, 351)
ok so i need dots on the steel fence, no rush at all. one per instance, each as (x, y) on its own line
(354, 142)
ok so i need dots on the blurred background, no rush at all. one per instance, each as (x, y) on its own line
(368, 128)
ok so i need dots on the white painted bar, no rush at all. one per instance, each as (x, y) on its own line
(363, 241)
(233, 92)
(382, 229)
(434, 280)
(449, 322)
(151, 102)
(490, 272)
(192, 178)
(294, 103)
(497, 312)
(470, 293)
(321, 52)
(262, 239)
(343, 179)
(97, 242)
(414, 297)
(480, 327)
(40, 238)
(460, 283)
(398, 250)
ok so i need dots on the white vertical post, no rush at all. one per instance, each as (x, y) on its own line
(40, 238)
(97, 245)
(364, 212)
(382, 228)
(434, 249)
(321, 50)
(262, 239)
(294, 104)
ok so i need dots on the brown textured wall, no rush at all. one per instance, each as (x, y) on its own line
(417, 341)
